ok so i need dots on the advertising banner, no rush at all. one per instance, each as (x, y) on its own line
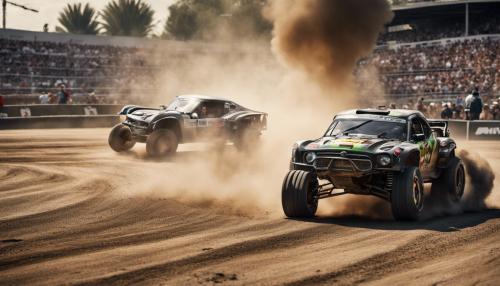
(484, 130)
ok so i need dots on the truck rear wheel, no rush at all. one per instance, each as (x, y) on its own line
(298, 194)
(161, 143)
(407, 197)
(452, 180)
(120, 138)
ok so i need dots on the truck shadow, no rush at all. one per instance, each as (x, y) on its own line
(441, 224)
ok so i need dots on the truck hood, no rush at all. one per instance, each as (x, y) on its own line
(362, 144)
(145, 112)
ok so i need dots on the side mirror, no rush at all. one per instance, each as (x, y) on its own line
(418, 137)
(232, 106)
(163, 107)
(194, 115)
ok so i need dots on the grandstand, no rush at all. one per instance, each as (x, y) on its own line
(433, 49)
(113, 68)
(439, 50)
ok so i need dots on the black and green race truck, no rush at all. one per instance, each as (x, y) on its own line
(385, 153)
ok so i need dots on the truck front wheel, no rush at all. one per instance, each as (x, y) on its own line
(161, 143)
(299, 194)
(407, 197)
(120, 138)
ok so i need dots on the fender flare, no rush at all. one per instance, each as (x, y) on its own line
(411, 157)
(170, 122)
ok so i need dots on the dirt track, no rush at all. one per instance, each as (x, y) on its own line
(72, 211)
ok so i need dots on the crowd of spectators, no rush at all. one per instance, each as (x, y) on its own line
(470, 107)
(42, 67)
(440, 70)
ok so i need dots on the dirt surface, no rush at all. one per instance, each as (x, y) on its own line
(74, 212)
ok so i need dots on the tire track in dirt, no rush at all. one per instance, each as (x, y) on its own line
(421, 250)
(72, 215)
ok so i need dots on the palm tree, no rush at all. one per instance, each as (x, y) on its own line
(128, 18)
(78, 20)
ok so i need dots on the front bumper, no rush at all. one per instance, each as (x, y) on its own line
(352, 165)
(140, 129)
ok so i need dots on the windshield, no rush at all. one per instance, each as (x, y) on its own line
(186, 105)
(360, 126)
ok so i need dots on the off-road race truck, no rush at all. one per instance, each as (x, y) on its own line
(379, 152)
(188, 118)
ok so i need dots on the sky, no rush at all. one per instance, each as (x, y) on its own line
(20, 19)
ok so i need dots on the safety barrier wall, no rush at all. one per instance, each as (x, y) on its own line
(59, 121)
(459, 129)
(54, 109)
(475, 130)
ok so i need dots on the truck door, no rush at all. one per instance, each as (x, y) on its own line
(210, 123)
(422, 136)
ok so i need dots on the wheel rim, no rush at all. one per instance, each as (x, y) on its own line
(417, 193)
(125, 135)
(164, 145)
(460, 182)
(312, 199)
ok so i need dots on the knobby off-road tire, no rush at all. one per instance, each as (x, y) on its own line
(298, 194)
(120, 138)
(407, 197)
(162, 143)
(451, 183)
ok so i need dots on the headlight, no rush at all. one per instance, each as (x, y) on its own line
(384, 160)
(310, 157)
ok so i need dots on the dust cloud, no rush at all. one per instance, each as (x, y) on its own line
(279, 78)
(325, 39)
(301, 79)
(480, 179)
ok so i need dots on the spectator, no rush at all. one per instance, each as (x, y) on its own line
(496, 111)
(486, 115)
(52, 98)
(447, 113)
(468, 101)
(63, 95)
(456, 110)
(420, 106)
(44, 98)
(476, 105)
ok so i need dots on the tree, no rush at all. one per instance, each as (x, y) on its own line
(193, 18)
(207, 18)
(182, 23)
(247, 18)
(78, 20)
(128, 18)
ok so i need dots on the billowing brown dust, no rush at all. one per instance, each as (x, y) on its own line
(325, 38)
(480, 179)
(300, 84)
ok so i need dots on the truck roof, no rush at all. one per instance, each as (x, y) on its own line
(400, 113)
(202, 97)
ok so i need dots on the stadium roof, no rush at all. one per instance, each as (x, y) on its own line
(438, 3)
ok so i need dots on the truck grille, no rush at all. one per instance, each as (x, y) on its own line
(322, 163)
(351, 162)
